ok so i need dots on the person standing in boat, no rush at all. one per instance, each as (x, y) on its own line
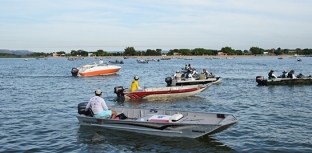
(101, 61)
(291, 74)
(135, 84)
(185, 68)
(99, 107)
(272, 75)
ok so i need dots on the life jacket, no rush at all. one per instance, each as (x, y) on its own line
(202, 76)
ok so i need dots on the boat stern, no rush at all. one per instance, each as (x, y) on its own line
(74, 72)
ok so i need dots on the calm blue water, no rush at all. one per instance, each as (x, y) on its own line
(39, 105)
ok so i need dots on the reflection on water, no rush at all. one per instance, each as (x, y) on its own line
(145, 143)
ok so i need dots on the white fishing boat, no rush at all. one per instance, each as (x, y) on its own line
(168, 123)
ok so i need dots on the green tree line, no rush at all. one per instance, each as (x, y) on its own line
(131, 51)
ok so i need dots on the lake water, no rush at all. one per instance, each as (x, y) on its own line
(39, 101)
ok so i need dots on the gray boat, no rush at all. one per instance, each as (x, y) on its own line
(168, 123)
(284, 81)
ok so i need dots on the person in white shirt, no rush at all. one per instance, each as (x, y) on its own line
(99, 107)
(101, 61)
(291, 74)
(177, 76)
(194, 72)
(190, 77)
(271, 75)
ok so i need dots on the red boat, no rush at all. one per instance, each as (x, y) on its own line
(160, 93)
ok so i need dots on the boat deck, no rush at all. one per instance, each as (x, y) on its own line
(188, 117)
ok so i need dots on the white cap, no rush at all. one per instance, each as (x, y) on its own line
(136, 77)
(98, 92)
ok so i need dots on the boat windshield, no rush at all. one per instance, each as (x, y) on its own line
(94, 64)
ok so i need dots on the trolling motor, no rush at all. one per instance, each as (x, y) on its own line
(261, 81)
(168, 81)
(82, 111)
(119, 91)
(74, 72)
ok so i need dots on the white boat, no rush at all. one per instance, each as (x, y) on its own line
(95, 69)
(160, 93)
(192, 81)
(142, 61)
(168, 123)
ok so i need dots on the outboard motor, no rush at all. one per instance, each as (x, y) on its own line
(81, 109)
(260, 80)
(74, 72)
(119, 91)
(168, 81)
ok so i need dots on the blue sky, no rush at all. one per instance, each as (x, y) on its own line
(113, 25)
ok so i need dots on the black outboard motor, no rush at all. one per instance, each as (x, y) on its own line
(81, 109)
(119, 91)
(168, 81)
(260, 80)
(74, 72)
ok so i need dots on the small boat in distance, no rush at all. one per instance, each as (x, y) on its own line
(159, 122)
(95, 69)
(160, 93)
(142, 61)
(116, 62)
(298, 59)
(306, 80)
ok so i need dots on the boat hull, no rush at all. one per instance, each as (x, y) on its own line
(100, 72)
(213, 80)
(95, 69)
(165, 93)
(284, 81)
(191, 125)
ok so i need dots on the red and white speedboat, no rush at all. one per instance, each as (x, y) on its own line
(94, 69)
(160, 93)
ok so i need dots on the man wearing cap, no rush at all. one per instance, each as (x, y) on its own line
(99, 107)
(177, 76)
(135, 84)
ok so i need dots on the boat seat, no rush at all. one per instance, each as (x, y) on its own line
(175, 117)
(165, 118)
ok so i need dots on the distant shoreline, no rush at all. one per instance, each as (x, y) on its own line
(159, 57)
